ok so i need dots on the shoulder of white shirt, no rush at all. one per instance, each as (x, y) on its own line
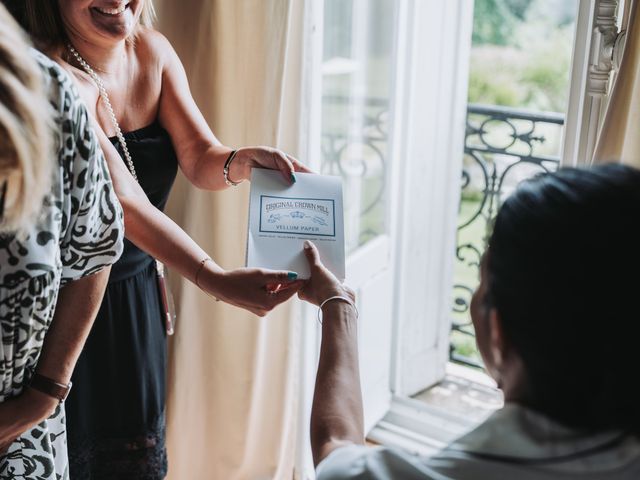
(513, 436)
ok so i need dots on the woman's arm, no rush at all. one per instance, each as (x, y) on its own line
(200, 154)
(336, 414)
(76, 308)
(155, 233)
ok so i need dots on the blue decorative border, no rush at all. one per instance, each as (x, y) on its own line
(333, 208)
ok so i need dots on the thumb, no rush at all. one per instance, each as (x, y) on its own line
(312, 254)
(281, 277)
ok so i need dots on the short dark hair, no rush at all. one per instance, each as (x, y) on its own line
(563, 273)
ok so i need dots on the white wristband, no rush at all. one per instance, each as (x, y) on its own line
(337, 298)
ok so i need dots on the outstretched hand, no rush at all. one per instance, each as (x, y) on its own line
(254, 289)
(265, 157)
(322, 284)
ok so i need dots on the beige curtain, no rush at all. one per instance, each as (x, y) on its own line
(619, 139)
(232, 384)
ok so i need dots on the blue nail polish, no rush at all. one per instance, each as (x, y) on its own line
(292, 275)
(293, 178)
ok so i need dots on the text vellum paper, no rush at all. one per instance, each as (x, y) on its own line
(283, 216)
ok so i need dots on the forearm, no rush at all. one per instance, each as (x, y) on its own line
(206, 172)
(149, 228)
(336, 415)
(155, 233)
(200, 153)
(76, 309)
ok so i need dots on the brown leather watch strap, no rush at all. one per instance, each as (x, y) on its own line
(50, 387)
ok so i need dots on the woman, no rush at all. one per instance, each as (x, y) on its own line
(557, 328)
(116, 412)
(60, 228)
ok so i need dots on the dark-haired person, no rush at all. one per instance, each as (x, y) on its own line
(61, 228)
(557, 326)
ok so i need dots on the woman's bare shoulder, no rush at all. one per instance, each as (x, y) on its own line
(154, 45)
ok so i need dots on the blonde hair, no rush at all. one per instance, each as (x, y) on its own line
(44, 22)
(26, 136)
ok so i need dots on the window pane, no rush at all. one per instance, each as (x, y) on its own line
(358, 41)
(518, 92)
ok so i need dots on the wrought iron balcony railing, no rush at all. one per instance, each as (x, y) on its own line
(502, 147)
(354, 146)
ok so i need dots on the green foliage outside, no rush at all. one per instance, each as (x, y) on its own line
(493, 22)
(521, 53)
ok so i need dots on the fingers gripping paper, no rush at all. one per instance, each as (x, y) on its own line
(282, 217)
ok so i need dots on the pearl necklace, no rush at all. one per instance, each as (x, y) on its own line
(105, 98)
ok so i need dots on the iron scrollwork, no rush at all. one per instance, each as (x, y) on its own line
(502, 147)
(354, 146)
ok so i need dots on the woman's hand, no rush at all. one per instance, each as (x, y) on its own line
(256, 290)
(264, 157)
(19, 414)
(322, 284)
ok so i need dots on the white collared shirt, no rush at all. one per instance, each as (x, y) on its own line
(514, 443)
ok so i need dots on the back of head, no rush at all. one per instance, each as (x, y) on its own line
(26, 155)
(563, 274)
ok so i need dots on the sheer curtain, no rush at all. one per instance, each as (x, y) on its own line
(619, 139)
(232, 400)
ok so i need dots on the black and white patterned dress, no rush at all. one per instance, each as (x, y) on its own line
(80, 232)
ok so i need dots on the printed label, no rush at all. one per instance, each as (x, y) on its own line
(300, 216)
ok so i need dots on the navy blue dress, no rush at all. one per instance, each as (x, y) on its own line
(115, 411)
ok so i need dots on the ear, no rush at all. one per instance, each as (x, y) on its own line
(497, 341)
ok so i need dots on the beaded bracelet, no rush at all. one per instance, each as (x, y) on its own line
(225, 169)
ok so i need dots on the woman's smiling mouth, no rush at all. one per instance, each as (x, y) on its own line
(114, 18)
(112, 11)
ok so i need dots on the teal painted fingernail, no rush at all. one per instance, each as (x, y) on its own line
(293, 178)
(292, 275)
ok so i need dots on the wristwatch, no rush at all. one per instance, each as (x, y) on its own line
(50, 387)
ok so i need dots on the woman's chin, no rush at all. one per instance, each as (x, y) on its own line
(116, 27)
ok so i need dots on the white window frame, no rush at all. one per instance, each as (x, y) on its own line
(421, 73)
(310, 332)
(434, 114)
(597, 43)
(421, 428)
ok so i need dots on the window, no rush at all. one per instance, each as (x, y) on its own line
(511, 133)
(356, 89)
(518, 94)
(431, 128)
